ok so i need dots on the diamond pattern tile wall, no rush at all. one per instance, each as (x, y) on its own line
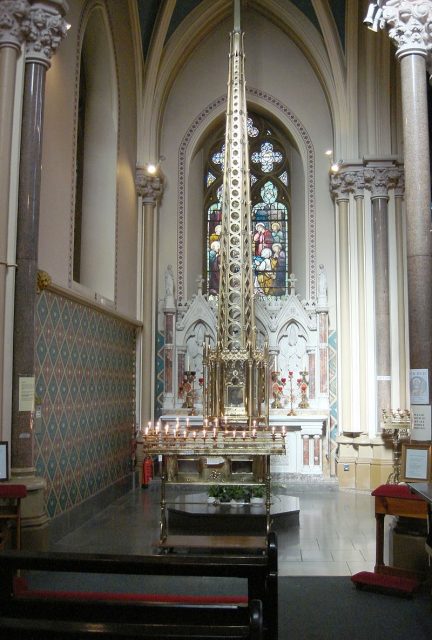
(85, 378)
(332, 342)
(160, 345)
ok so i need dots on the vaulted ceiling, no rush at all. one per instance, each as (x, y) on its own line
(148, 12)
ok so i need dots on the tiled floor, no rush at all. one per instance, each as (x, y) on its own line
(335, 537)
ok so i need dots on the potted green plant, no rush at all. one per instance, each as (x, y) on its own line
(225, 494)
(237, 493)
(213, 494)
(258, 493)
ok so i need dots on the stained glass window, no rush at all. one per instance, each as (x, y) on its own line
(270, 211)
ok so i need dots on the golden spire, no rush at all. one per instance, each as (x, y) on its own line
(236, 371)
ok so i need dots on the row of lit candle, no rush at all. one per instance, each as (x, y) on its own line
(207, 424)
(178, 432)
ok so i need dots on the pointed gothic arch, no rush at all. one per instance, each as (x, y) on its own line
(94, 219)
(191, 142)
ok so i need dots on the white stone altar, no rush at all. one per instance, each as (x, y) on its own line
(297, 334)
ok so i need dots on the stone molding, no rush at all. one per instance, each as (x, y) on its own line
(149, 187)
(12, 14)
(399, 188)
(410, 25)
(43, 29)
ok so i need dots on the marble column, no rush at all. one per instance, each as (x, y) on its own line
(361, 301)
(12, 13)
(409, 23)
(400, 256)
(377, 179)
(150, 189)
(43, 30)
(341, 186)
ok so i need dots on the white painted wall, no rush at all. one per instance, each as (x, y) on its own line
(58, 178)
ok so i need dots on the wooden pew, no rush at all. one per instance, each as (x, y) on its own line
(50, 614)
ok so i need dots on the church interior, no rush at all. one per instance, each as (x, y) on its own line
(142, 300)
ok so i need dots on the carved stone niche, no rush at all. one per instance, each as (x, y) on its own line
(297, 335)
(296, 332)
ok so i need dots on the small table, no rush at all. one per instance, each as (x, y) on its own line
(395, 500)
(12, 510)
(423, 489)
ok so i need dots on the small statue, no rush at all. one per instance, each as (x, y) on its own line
(169, 286)
(322, 286)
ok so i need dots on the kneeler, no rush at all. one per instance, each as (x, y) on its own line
(395, 500)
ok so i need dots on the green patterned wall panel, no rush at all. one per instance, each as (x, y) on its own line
(85, 378)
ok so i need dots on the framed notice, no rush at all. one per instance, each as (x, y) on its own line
(4, 461)
(416, 462)
(421, 422)
(26, 393)
(419, 386)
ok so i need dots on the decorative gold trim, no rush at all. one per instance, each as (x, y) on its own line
(69, 294)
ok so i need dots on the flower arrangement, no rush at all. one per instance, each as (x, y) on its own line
(278, 385)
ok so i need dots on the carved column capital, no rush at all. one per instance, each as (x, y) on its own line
(379, 180)
(399, 187)
(410, 25)
(44, 28)
(344, 183)
(149, 187)
(12, 13)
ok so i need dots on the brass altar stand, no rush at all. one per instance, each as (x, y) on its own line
(186, 453)
(235, 379)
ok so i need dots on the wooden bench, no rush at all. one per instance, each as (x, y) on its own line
(29, 613)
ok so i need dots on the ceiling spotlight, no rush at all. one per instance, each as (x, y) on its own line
(329, 152)
(370, 14)
(151, 168)
(374, 19)
(335, 166)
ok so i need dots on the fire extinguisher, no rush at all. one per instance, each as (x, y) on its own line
(147, 472)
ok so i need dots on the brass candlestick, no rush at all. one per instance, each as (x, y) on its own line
(303, 386)
(291, 396)
(396, 425)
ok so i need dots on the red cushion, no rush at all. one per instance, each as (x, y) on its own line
(13, 491)
(384, 581)
(395, 491)
(21, 590)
